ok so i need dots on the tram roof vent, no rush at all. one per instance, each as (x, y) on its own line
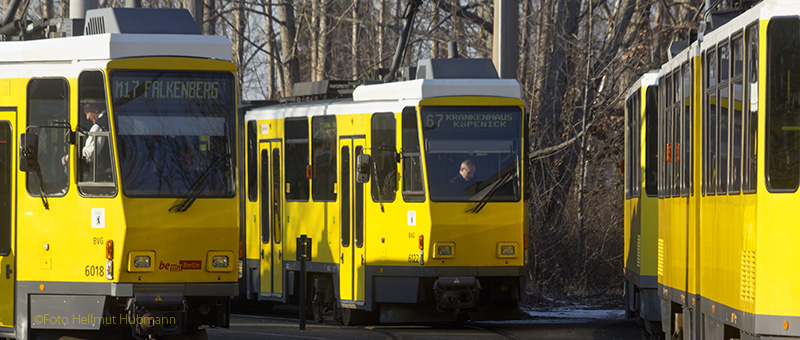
(140, 21)
(456, 68)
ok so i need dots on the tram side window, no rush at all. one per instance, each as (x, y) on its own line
(688, 130)
(633, 164)
(384, 151)
(651, 145)
(629, 148)
(677, 143)
(95, 171)
(413, 187)
(48, 104)
(711, 126)
(296, 159)
(5, 188)
(670, 142)
(783, 105)
(637, 143)
(661, 142)
(751, 117)
(252, 161)
(735, 179)
(723, 109)
(265, 199)
(323, 132)
(277, 232)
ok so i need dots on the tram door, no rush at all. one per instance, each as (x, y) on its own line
(352, 258)
(7, 263)
(271, 219)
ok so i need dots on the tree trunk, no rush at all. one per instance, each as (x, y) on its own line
(323, 44)
(314, 29)
(272, 50)
(291, 65)
(354, 42)
(210, 17)
(48, 11)
(237, 39)
(382, 17)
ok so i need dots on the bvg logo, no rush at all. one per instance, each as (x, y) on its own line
(181, 265)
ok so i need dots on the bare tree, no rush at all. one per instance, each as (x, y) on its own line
(288, 33)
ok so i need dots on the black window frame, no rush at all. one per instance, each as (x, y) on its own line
(6, 186)
(59, 126)
(266, 192)
(723, 117)
(383, 145)
(88, 91)
(323, 139)
(412, 157)
(296, 163)
(750, 125)
(252, 161)
(771, 108)
(651, 141)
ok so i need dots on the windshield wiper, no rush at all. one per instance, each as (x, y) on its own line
(496, 186)
(199, 185)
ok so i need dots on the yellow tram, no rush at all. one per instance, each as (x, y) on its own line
(118, 200)
(728, 129)
(641, 201)
(410, 193)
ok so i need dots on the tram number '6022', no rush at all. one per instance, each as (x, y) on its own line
(413, 258)
(94, 270)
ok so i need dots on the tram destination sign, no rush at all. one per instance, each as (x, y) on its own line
(170, 88)
(449, 119)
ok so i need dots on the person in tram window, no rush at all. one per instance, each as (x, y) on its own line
(96, 113)
(465, 173)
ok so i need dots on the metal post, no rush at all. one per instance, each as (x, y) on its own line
(301, 253)
(506, 30)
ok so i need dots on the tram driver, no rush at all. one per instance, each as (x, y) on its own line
(465, 173)
(96, 113)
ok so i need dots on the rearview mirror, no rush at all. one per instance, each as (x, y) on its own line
(28, 152)
(363, 163)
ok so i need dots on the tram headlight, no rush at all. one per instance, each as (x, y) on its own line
(444, 250)
(507, 250)
(219, 261)
(141, 261)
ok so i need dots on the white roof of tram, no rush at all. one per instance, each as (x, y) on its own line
(115, 46)
(432, 88)
(391, 97)
(648, 79)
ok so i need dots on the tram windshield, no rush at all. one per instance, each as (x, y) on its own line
(174, 132)
(473, 153)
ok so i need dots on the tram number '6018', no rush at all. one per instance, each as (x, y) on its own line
(413, 258)
(94, 270)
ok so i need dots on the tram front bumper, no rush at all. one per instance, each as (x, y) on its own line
(457, 294)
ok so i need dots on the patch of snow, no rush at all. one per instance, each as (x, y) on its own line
(565, 315)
